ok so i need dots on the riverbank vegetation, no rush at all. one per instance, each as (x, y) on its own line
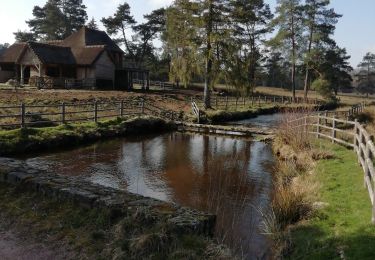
(27, 140)
(320, 209)
(85, 233)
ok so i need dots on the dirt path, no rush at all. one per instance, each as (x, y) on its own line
(15, 247)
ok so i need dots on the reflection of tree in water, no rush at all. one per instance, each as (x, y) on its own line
(218, 183)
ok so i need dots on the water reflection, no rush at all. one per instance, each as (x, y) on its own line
(225, 176)
(263, 121)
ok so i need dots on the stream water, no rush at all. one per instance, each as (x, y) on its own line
(225, 176)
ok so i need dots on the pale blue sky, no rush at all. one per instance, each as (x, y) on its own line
(355, 30)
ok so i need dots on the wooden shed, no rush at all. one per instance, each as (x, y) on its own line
(87, 58)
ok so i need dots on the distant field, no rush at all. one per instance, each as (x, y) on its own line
(345, 98)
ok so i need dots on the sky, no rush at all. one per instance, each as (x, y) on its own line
(355, 30)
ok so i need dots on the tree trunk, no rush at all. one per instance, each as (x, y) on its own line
(209, 62)
(306, 87)
(293, 61)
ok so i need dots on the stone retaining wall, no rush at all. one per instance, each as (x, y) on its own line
(89, 195)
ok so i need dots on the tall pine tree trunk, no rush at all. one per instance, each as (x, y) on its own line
(209, 62)
(293, 61)
(307, 76)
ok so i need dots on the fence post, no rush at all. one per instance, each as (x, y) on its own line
(216, 102)
(326, 115)
(226, 103)
(244, 102)
(355, 135)
(142, 106)
(367, 170)
(333, 129)
(318, 127)
(259, 100)
(236, 104)
(96, 111)
(252, 100)
(23, 112)
(63, 113)
(122, 108)
(305, 125)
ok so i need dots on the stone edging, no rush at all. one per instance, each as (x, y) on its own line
(89, 195)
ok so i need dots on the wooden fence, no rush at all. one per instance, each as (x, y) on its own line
(348, 133)
(156, 84)
(47, 115)
(196, 111)
(227, 102)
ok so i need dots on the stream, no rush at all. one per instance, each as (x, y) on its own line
(230, 177)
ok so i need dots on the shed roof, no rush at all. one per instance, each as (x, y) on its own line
(12, 54)
(83, 47)
(87, 55)
(86, 37)
(52, 54)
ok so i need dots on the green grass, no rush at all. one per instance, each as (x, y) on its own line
(343, 227)
(35, 139)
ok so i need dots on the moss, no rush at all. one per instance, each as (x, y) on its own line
(35, 139)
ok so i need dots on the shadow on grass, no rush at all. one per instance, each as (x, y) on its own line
(313, 242)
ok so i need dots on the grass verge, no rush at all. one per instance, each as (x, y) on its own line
(96, 233)
(38, 139)
(341, 228)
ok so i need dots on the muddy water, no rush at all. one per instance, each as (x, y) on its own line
(226, 176)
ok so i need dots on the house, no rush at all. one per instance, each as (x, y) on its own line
(87, 58)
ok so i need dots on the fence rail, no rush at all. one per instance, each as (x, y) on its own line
(348, 133)
(24, 115)
(158, 84)
(227, 102)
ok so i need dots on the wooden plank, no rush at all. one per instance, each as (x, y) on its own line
(370, 189)
(371, 168)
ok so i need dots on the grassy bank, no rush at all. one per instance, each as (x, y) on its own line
(220, 116)
(320, 208)
(97, 233)
(342, 227)
(41, 139)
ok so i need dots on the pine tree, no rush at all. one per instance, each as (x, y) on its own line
(334, 67)
(289, 21)
(92, 24)
(320, 23)
(57, 19)
(146, 32)
(365, 77)
(75, 15)
(24, 36)
(249, 20)
(277, 70)
(119, 23)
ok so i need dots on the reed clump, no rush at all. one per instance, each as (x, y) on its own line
(294, 190)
